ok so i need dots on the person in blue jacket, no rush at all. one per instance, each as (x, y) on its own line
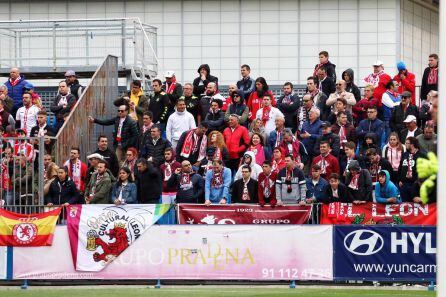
(16, 87)
(216, 189)
(124, 190)
(385, 190)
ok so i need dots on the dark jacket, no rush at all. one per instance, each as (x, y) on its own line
(177, 93)
(216, 121)
(129, 132)
(200, 89)
(331, 70)
(188, 193)
(193, 157)
(409, 162)
(365, 186)
(237, 191)
(289, 110)
(111, 159)
(328, 86)
(334, 143)
(9, 103)
(247, 86)
(143, 105)
(366, 126)
(149, 185)
(398, 116)
(317, 191)
(16, 92)
(159, 105)
(315, 130)
(62, 192)
(351, 87)
(192, 105)
(102, 189)
(59, 110)
(343, 193)
(403, 133)
(76, 89)
(425, 87)
(156, 151)
(128, 193)
(49, 131)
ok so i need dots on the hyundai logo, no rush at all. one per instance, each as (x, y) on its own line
(363, 242)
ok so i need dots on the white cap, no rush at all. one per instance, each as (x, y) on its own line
(95, 156)
(169, 73)
(410, 118)
(378, 63)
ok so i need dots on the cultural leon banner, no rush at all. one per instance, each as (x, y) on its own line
(242, 214)
(406, 213)
(36, 229)
(99, 233)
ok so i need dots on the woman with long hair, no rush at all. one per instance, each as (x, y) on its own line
(255, 100)
(130, 160)
(124, 191)
(62, 190)
(217, 141)
(393, 151)
(257, 127)
(260, 151)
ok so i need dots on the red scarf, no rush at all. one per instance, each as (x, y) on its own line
(170, 88)
(410, 163)
(191, 145)
(14, 82)
(265, 114)
(185, 179)
(432, 79)
(167, 170)
(354, 182)
(217, 154)
(267, 185)
(217, 179)
(342, 135)
(318, 66)
(258, 152)
(245, 193)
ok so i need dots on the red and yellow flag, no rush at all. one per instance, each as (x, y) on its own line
(35, 229)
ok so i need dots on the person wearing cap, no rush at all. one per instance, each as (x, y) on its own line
(173, 89)
(378, 78)
(359, 183)
(268, 114)
(405, 80)
(385, 190)
(332, 138)
(238, 107)
(7, 101)
(215, 117)
(192, 101)
(62, 104)
(430, 77)
(136, 101)
(411, 128)
(179, 122)
(75, 87)
(237, 141)
(246, 84)
(341, 93)
(16, 87)
(93, 160)
(37, 101)
(428, 140)
(402, 111)
(204, 77)
(289, 104)
(315, 185)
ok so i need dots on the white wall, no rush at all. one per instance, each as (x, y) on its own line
(280, 39)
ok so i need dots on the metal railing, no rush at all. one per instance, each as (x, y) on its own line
(56, 45)
(22, 175)
(97, 101)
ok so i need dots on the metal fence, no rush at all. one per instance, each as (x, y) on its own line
(22, 173)
(97, 101)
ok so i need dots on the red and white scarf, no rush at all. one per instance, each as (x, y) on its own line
(167, 171)
(323, 165)
(217, 179)
(267, 185)
(265, 114)
(245, 193)
(185, 180)
(410, 164)
(74, 171)
(15, 81)
(342, 136)
(318, 66)
(191, 145)
(373, 78)
(171, 87)
(354, 182)
(98, 179)
(432, 79)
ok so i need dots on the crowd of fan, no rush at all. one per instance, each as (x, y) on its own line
(190, 144)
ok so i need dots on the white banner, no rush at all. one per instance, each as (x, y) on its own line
(100, 233)
(221, 252)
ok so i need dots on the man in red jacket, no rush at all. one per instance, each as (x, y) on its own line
(329, 164)
(405, 79)
(237, 141)
(267, 185)
(379, 80)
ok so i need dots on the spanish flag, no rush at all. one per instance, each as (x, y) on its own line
(35, 229)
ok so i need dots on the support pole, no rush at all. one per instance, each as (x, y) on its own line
(431, 286)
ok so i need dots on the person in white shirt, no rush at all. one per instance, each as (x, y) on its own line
(180, 121)
(27, 114)
(341, 93)
(268, 114)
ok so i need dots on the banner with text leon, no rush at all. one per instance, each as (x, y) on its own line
(220, 252)
(382, 253)
(414, 214)
(242, 214)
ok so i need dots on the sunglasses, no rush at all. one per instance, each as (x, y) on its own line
(120, 110)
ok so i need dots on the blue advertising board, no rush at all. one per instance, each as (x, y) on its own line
(379, 253)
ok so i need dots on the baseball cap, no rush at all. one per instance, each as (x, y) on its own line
(95, 156)
(29, 86)
(325, 124)
(410, 118)
(169, 74)
(378, 63)
(70, 73)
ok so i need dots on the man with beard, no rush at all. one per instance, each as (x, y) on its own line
(267, 185)
(167, 169)
(204, 78)
(77, 170)
(148, 182)
(172, 88)
(341, 93)
(136, 100)
(192, 145)
(192, 102)
(188, 184)
(107, 154)
(245, 190)
(74, 85)
(318, 98)
(98, 189)
(376, 164)
(428, 140)
(159, 104)
(430, 77)
(408, 169)
(217, 183)
(289, 104)
(206, 99)
(246, 84)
